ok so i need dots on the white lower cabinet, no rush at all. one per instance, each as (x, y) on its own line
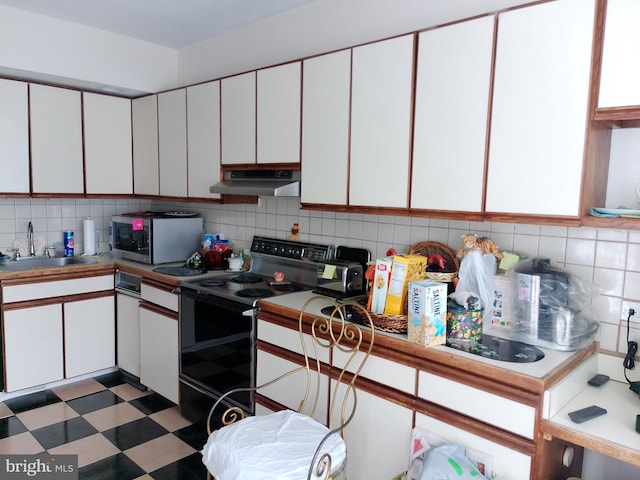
(378, 438)
(128, 333)
(32, 346)
(159, 353)
(52, 342)
(89, 335)
(507, 464)
(57, 339)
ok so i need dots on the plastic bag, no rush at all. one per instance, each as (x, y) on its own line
(448, 462)
(475, 279)
(551, 306)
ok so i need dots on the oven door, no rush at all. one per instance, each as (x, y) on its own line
(217, 350)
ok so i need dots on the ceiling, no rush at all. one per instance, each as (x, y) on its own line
(172, 23)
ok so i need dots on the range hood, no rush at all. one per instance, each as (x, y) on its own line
(260, 183)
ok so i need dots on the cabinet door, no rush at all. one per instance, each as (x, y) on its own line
(14, 137)
(145, 145)
(380, 123)
(89, 335)
(203, 138)
(56, 140)
(380, 429)
(172, 143)
(159, 353)
(325, 128)
(32, 346)
(278, 114)
(107, 144)
(128, 334)
(620, 77)
(508, 464)
(451, 116)
(540, 100)
(238, 116)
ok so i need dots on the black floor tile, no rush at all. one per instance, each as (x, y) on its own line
(134, 433)
(31, 401)
(151, 403)
(195, 435)
(190, 467)
(111, 379)
(94, 401)
(11, 426)
(63, 432)
(118, 467)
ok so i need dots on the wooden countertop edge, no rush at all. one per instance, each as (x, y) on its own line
(101, 267)
(611, 449)
(56, 273)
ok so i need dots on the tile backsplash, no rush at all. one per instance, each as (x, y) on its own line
(609, 258)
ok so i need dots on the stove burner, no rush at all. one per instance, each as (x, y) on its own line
(246, 278)
(212, 283)
(254, 292)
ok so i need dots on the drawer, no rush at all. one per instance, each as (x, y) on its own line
(490, 408)
(288, 339)
(163, 298)
(58, 288)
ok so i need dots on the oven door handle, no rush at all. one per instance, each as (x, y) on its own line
(249, 313)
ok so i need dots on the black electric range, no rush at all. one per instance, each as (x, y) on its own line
(297, 260)
(218, 322)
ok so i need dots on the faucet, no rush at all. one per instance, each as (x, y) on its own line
(32, 248)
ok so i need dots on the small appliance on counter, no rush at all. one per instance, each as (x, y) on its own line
(156, 237)
(340, 278)
(549, 307)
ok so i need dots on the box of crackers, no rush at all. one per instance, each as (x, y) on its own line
(404, 269)
(427, 312)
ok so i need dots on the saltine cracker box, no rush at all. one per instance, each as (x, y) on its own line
(380, 287)
(405, 268)
(427, 312)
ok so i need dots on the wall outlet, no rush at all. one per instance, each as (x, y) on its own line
(626, 305)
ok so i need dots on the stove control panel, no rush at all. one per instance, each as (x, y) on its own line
(289, 249)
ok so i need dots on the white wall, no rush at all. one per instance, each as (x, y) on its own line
(47, 48)
(318, 27)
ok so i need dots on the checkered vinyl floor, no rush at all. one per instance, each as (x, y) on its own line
(117, 431)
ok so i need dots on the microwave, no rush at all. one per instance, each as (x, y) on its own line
(156, 237)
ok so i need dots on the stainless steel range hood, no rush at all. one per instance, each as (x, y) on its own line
(261, 183)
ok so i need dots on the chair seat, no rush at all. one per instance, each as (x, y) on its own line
(278, 446)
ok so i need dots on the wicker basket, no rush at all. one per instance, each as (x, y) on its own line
(386, 322)
(451, 262)
(390, 323)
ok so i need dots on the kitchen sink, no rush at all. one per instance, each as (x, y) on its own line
(32, 263)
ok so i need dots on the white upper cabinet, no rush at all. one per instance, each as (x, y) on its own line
(238, 114)
(172, 143)
(145, 145)
(203, 138)
(325, 128)
(14, 137)
(620, 77)
(278, 114)
(381, 123)
(540, 109)
(451, 116)
(107, 144)
(56, 140)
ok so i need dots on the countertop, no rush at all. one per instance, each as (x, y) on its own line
(545, 370)
(101, 263)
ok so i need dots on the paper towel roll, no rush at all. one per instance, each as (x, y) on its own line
(89, 236)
